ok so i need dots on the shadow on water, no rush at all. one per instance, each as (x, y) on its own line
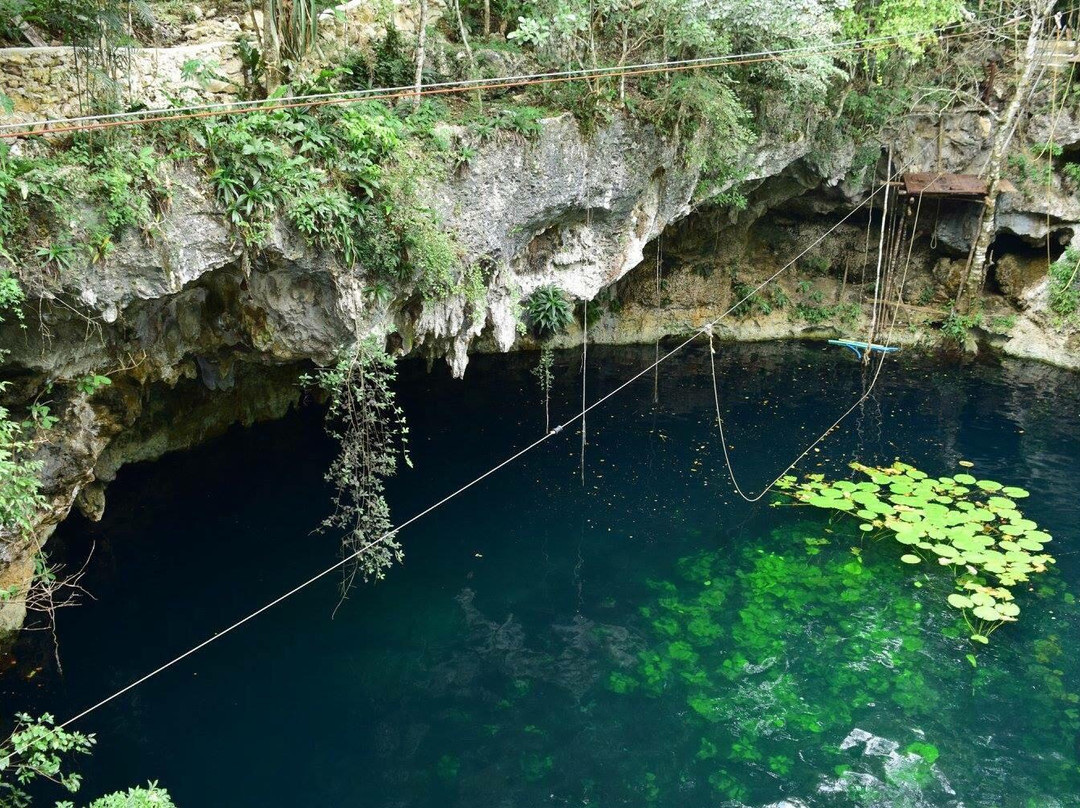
(644, 639)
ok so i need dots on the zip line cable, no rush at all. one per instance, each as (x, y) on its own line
(118, 119)
(705, 329)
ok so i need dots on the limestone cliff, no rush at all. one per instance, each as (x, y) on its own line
(198, 332)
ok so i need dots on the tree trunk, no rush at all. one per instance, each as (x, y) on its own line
(421, 41)
(972, 285)
(30, 32)
(464, 36)
(487, 18)
(271, 47)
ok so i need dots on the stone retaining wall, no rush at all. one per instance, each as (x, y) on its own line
(45, 83)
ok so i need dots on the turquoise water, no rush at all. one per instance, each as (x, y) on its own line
(644, 639)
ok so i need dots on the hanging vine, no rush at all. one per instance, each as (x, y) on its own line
(543, 373)
(371, 430)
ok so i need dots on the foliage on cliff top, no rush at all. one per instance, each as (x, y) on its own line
(347, 178)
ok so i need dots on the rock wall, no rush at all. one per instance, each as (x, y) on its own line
(46, 83)
(197, 333)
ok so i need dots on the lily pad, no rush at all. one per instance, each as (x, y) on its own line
(909, 558)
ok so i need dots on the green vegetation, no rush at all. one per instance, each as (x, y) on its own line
(771, 650)
(549, 311)
(1065, 284)
(1072, 174)
(345, 178)
(811, 308)
(544, 375)
(20, 487)
(371, 432)
(753, 301)
(37, 750)
(956, 326)
(974, 527)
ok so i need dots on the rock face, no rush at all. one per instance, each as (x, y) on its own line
(196, 333)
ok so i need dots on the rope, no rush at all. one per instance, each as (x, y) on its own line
(858, 402)
(113, 120)
(705, 329)
(881, 254)
(656, 351)
(584, 368)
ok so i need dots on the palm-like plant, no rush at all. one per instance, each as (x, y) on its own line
(548, 310)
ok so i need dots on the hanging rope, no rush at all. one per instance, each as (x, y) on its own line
(881, 255)
(656, 354)
(858, 402)
(584, 369)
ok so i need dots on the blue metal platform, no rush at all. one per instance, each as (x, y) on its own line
(857, 347)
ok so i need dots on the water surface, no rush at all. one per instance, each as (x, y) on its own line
(644, 638)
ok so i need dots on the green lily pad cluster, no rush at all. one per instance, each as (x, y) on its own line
(972, 526)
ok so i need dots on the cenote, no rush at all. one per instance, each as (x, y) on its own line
(644, 638)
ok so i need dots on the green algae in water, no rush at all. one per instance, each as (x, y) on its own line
(970, 525)
(811, 640)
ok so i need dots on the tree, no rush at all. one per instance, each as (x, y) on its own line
(421, 41)
(37, 749)
(1038, 13)
(290, 31)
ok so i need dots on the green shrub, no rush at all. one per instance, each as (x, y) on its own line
(390, 65)
(1064, 275)
(549, 311)
(956, 326)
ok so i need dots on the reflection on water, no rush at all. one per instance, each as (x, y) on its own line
(645, 639)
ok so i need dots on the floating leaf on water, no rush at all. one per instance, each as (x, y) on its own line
(980, 638)
(988, 613)
(1014, 492)
(965, 522)
(965, 463)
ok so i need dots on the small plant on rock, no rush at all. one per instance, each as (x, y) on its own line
(548, 310)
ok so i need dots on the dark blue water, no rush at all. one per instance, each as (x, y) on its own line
(491, 668)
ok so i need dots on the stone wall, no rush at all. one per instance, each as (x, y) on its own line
(44, 82)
